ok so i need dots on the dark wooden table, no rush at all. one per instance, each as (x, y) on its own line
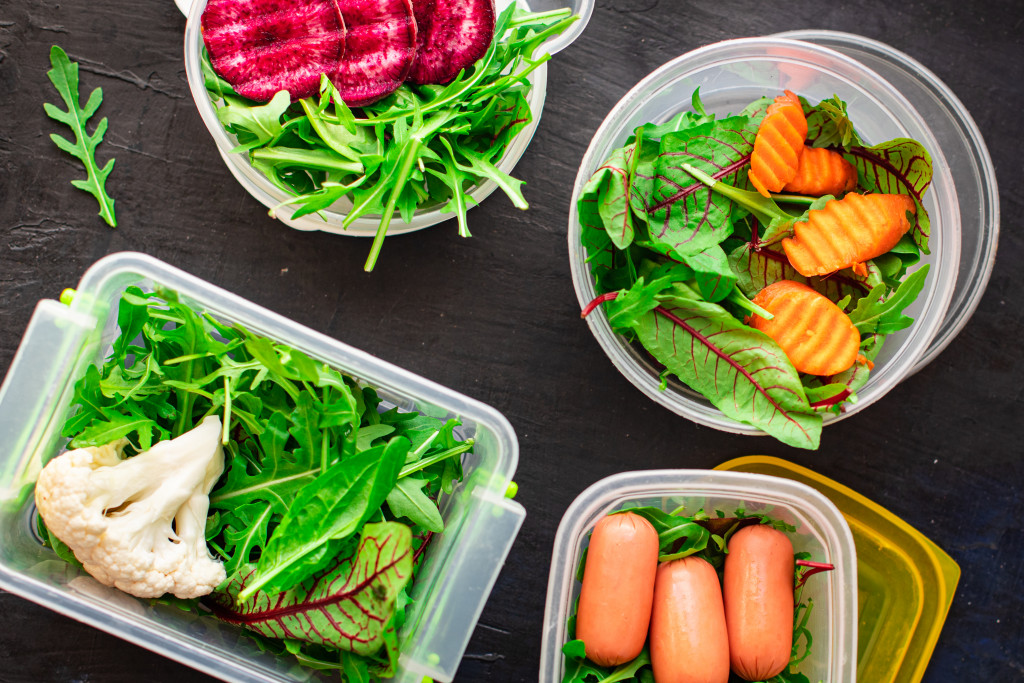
(495, 316)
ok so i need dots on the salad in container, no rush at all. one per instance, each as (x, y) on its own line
(374, 117)
(214, 482)
(765, 237)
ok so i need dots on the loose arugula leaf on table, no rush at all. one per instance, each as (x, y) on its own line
(64, 76)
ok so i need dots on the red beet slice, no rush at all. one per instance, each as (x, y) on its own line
(380, 44)
(263, 46)
(451, 35)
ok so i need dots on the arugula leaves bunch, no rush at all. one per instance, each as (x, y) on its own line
(678, 243)
(681, 535)
(328, 499)
(421, 147)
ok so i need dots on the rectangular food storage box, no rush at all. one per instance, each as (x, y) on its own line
(820, 530)
(460, 567)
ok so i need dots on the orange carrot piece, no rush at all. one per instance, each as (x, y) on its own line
(848, 231)
(778, 144)
(822, 171)
(815, 334)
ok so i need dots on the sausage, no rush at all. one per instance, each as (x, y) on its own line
(618, 589)
(758, 592)
(689, 640)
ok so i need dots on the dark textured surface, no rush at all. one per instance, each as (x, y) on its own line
(495, 317)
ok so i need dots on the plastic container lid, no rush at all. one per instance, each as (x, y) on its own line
(905, 582)
(460, 566)
(260, 187)
(821, 531)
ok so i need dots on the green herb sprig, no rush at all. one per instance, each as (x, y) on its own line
(64, 76)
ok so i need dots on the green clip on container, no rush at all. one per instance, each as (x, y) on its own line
(461, 564)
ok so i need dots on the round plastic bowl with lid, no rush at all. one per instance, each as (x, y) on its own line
(889, 96)
(330, 220)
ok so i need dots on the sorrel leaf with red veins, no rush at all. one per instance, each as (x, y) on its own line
(740, 370)
(325, 512)
(347, 605)
(604, 200)
(900, 166)
(684, 214)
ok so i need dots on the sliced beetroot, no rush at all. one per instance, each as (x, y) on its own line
(451, 35)
(263, 46)
(380, 44)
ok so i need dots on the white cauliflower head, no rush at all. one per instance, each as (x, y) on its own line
(139, 524)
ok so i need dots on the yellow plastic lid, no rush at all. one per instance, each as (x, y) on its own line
(905, 582)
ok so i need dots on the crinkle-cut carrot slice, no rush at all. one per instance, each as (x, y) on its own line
(820, 172)
(815, 334)
(778, 144)
(848, 231)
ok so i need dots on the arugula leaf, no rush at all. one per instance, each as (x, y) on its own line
(64, 76)
(409, 500)
(874, 314)
(326, 511)
(828, 124)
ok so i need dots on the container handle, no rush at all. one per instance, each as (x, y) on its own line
(462, 589)
(37, 387)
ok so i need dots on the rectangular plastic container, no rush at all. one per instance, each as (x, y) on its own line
(820, 530)
(460, 566)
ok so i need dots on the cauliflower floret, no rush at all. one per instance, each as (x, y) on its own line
(116, 514)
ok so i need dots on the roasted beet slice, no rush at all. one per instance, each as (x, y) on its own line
(263, 46)
(380, 44)
(451, 35)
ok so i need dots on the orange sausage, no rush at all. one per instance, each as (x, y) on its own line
(778, 144)
(758, 592)
(817, 337)
(822, 171)
(689, 640)
(618, 589)
(848, 231)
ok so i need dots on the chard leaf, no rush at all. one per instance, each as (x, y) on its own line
(64, 76)
(874, 314)
(740, 370)
(756, 268)
(899, 166)
(683, 212)
(715, 278)
(608, 192)
(346, 606)
(326, 511)
(409, 500)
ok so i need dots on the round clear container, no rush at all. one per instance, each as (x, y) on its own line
(330, 220)
(733, 73)
(821, 531)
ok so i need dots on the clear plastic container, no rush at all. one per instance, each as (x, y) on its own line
(820, 530)
(460, 566)
(733, 73)
(330, 220)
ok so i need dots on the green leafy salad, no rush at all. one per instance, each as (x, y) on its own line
(680, 246)
(319, 520)
(705, 536)
(420, 147)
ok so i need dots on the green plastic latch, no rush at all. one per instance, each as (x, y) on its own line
(67, 296)
(512, 490)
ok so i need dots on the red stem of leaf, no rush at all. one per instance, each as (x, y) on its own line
(814, 568)
(838, 398)
(589, 308)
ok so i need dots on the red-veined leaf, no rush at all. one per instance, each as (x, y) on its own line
(348, 605)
